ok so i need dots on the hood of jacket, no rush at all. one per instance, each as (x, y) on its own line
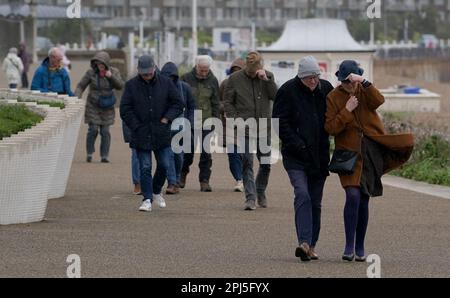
(102, 57)
(238, 63)
(170, 69)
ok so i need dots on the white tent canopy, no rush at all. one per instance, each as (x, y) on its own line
(316, 35)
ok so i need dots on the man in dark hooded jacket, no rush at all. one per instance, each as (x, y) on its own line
(170, 70)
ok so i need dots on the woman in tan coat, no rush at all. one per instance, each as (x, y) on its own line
(354, 122)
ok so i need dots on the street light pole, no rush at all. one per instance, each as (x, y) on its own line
(194, 29)
(33, 13)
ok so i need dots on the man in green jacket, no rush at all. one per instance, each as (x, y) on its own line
(248, 95)
(205, 89)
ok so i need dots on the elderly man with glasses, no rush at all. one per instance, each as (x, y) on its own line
(300, 106)
(50, 76)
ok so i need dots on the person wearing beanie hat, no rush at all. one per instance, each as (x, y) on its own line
(353, 120)
(308, 66)
(300, 106)
(248, 95)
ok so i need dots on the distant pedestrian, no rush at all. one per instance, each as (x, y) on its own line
(13, 67)
(300, 106)
(170, 70)
(50, 76)
(248, 95)
(66, 63)
(102, 79)
(150, 103)
(234, 158)
(26, 61)
(353, 120)
(205, 89)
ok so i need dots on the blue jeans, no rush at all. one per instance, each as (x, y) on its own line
(235, 163)
(135, 172)
(308, 206)
(153, 185)
(175, 165)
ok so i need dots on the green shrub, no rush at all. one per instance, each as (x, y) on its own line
(430, 162)
(15, 118)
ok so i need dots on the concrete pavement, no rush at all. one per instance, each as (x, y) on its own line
(209, 235)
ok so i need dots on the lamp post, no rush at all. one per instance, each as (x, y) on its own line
(33, 13)
(194, 30)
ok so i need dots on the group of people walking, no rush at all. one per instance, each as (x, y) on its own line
(309, 110)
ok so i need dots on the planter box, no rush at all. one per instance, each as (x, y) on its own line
(35, 164)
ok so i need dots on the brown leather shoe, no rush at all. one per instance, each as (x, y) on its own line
(302, 252)
(137, 189)
(312, 254)
(205, 187)
(183, 180)
(172, 190)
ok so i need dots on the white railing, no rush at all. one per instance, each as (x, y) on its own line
(35, 164)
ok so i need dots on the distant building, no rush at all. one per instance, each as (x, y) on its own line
(125, 15)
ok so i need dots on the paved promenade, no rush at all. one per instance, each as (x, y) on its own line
(209, 235)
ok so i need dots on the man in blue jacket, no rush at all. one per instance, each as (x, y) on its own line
(150, 102)
(50, 76)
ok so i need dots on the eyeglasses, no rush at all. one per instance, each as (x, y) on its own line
(346, 82)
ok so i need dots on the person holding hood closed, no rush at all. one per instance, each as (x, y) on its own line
(102, 79)
(353, 120)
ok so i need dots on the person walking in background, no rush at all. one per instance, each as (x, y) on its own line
(102, 79)
(353, 120)
(13, 67)
(170, 70)
(50, 76)
(205, 89)
(135, 172)
(248, 95)
(234, 158)
(66, 63)
(26, 61)
(150, 103)
(300, 106)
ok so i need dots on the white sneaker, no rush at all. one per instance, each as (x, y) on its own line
(239, 186)
(159, 200)
(146, 206)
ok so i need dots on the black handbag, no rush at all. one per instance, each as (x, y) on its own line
(343, 162)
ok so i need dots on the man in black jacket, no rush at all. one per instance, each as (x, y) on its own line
(300, 106)
(149, 104)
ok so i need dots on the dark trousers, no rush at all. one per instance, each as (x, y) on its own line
(205, 163)
(24, 80)
(252, 187)
(308, 206)
(105, 141)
